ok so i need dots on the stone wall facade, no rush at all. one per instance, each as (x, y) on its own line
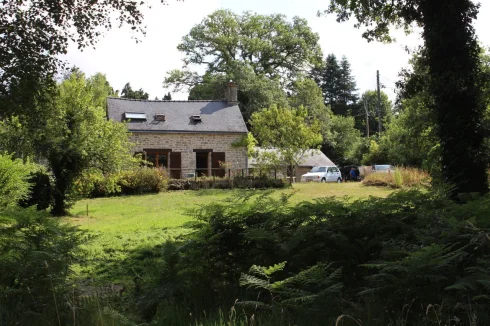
(186, 143)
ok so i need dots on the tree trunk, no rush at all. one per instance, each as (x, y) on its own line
(59, 207)
(456, 86)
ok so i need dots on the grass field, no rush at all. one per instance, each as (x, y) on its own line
(124, 227)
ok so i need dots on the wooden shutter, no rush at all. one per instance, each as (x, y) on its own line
(175, 165)
(216, 158)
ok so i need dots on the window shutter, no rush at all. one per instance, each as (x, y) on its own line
(216, 158)
(175, 165)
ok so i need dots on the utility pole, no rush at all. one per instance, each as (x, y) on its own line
(367, 117)
(379, 102)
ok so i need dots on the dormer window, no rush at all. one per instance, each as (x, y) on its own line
(134, 116)
(160, 117)
(196, 118)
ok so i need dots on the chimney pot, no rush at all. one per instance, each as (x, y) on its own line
(231, 92)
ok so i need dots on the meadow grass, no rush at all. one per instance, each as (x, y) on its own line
(132, 226)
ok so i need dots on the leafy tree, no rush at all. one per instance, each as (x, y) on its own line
(411, 136)
(128, 92)
(370, 99)
(287, 130)
(269, 44)
(167, 97)
(77, 136)
(454, 75)
(260, 53)
(342, 143)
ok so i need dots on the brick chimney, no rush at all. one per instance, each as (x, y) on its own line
(231, 93)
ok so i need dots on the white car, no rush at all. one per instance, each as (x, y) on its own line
(323, 174)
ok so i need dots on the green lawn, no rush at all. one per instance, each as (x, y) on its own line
(123, 226)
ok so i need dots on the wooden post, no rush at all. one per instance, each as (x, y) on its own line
(87, 209)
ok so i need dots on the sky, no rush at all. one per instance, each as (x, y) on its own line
(144, 64)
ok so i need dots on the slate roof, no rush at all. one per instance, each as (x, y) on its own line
(217, 116)
(312, 157)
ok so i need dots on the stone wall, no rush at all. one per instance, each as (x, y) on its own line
(186, 143)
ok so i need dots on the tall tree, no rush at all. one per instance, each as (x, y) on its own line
(337, 84)
(454, 75)
(77, 136)
(167, 97)
(271, 45)
(128, 92)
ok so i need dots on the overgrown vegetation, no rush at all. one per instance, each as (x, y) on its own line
(414, 258)
(400, 178)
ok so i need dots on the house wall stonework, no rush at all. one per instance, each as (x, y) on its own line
(186, 143)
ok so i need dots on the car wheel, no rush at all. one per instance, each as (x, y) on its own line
(339, 180)
(324, 180)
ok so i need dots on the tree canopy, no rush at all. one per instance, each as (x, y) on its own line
(128, 92)
(338, 86)
(271, 45)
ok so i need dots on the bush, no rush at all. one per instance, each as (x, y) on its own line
(402, 177)
(40, 194)
(14, 181)
(143, 180)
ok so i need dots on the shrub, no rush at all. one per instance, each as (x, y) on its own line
(14, 181)
(402, 177)
(40, 194)
(93, 183)
(143, 180)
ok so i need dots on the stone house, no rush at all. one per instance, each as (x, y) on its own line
(187, 137)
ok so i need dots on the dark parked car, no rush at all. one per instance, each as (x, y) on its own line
(346, 176)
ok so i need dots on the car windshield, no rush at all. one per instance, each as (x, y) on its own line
(318, 169)
(382, 167)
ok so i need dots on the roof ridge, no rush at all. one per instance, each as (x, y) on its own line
(170, 101)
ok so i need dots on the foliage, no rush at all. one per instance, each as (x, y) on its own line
(401, 178)
(36, 253)
(337, 84)
(93, 183)
(449, 39)
(375, 154)
(369, 100)
(35, 33)
(77, 136)
(288, 131)
(391, 252)
(342, 142)
(143, 180)
(167, 97)
(140, 94)
(40, 192)
(14, 181)
(271, 45)
(255, 92)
